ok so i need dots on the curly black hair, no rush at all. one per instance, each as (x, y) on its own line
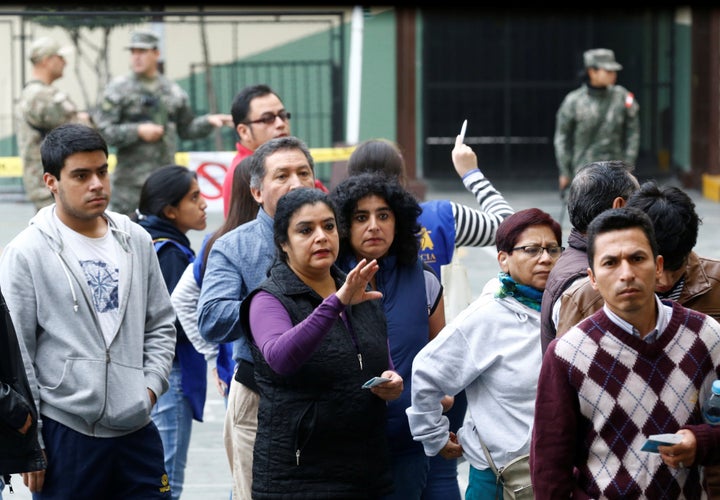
(405, 207)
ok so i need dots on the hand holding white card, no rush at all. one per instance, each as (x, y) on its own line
(656, 440)
(375, 381)
(463, 129)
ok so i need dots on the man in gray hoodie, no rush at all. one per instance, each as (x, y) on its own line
(87, 297)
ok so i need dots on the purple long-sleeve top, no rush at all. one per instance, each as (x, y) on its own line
(285, 346)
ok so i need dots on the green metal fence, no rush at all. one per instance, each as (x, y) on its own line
(310, 90)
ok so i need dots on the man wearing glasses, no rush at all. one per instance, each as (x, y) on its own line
(42, 107)
(142, 114)
(258, 115)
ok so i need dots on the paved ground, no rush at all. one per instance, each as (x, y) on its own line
(208, 476)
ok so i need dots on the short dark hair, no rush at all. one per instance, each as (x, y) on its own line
(674, 219)
(287, 205)
(509, 230)
(616, 219)
(346, 195)
(257, 167)
(241, 103)
(377, 156)
(165, 186)
(594, 188)
(66, 140)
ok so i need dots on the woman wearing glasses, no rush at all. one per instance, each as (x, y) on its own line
(492, 351)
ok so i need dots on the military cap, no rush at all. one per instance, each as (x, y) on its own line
(45, 47)
(143, 39)
(601, 58)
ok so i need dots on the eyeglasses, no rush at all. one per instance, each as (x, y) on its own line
(536, 251)
(269, 118)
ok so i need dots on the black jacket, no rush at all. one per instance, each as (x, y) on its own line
(18, 452)
(320, 435)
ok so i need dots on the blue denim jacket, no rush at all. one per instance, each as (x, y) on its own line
(237, 264)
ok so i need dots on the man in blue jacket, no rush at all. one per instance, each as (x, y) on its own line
(237, 263)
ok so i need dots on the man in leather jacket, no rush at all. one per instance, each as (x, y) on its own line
(19, 447)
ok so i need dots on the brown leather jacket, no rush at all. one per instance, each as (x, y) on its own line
(701, 293)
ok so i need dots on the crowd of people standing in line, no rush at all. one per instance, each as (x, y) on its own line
(571, 358)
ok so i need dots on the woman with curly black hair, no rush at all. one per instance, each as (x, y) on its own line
(377, 219)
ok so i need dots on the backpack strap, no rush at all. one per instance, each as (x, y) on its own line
(197, 272)
(161, 242)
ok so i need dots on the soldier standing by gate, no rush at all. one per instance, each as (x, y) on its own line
(40, 108)
(142, 114)
(598, 121)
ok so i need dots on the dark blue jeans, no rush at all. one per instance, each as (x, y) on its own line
(409, 474)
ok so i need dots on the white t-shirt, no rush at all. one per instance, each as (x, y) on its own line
(98, 258)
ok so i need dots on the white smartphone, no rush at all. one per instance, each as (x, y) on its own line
(375, 381)
(463, 129)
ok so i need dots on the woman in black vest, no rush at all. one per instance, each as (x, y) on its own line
(317, 335)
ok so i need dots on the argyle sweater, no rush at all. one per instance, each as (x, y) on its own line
(602, 391)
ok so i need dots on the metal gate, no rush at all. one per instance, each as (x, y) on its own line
(307, 75)
(507, 73)
(303, 86)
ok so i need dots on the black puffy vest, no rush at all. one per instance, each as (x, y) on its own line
(320, 435)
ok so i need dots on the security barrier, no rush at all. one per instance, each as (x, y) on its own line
(210, 166)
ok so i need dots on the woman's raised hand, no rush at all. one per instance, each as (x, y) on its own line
(354, 290)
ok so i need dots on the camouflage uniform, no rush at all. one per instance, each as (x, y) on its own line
(40, 108)
(594, 125)
(129, 101)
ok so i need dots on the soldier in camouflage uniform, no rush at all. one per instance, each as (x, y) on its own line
(40, 108)
(142, 115)
(598, 121)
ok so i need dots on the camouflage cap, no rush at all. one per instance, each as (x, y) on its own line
(143, 39)
(601, 58)
(45, 46)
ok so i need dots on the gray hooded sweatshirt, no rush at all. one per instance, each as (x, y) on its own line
(96, 389)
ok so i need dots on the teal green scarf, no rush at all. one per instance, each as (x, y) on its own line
(531, 297)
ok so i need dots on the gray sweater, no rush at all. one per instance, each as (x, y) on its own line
(96, 389)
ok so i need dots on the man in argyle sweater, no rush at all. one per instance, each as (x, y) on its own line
(636, 367)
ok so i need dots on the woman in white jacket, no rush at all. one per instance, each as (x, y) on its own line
(492, 351)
